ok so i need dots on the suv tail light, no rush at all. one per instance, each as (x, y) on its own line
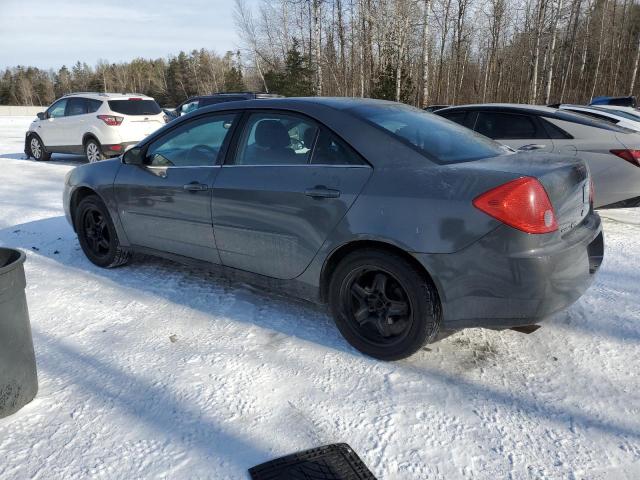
(111, 120)
(631, 156)
(522, 203)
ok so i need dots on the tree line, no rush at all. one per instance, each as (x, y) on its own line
(416, 51)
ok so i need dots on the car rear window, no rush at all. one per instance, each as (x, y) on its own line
(438, 139)
(135, 107)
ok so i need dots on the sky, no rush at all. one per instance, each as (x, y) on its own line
(52, 33)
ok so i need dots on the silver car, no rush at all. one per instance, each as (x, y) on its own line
(612, 152)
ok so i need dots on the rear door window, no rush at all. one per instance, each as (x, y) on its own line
(135, 107)
(76, 106)
(508, 126)
(276, 139)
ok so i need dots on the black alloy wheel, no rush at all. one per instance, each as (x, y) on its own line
(377, 304)
(97, 234)
(383, 304)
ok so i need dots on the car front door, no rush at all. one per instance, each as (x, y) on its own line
(51, 129)
(165, 203)
(519, 131)
(283, 189)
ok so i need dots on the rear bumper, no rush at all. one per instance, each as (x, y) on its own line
(493, 284)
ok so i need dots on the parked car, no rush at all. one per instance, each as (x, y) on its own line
(619, 101)
(403, 222)
(607, 114)
(98, 125)
(195, 103)
(612, 152)
(433, 108)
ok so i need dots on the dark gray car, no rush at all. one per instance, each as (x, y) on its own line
(403, 222)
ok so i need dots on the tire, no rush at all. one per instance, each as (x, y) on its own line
(97, 234)
(400, 311)
(37, 149)
(93, 151)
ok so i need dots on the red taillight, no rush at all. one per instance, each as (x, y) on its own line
(522, 203)
(111, 120)
(592, 192)
(631, 156)
(116, 148)
(135, 98)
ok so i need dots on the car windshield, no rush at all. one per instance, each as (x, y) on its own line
(438, 139)
(135, 107)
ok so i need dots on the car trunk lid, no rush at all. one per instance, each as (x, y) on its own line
(565, 179)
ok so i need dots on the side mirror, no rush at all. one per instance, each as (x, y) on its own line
(133, 156)
(41, 115)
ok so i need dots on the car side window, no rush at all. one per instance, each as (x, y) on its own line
(507, 126)
(330, 150)
(275, 139)
(57, 109)
(76, 106)
(197, 143)
(93, 105)
(554, 131)
(458, 117)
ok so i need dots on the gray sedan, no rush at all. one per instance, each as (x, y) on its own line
(406, 224)
(612, 152)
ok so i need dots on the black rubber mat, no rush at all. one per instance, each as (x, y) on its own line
(330, 462)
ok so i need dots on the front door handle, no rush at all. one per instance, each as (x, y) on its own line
(196, 187)
(321, 191)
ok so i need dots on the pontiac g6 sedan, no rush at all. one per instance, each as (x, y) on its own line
(404, 223)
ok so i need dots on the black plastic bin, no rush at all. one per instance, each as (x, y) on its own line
(18, 374)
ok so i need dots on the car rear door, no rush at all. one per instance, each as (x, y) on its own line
(286, 184)
(517, 130)
(165, 204)
(77, 121)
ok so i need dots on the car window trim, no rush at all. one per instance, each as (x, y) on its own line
(223, 151)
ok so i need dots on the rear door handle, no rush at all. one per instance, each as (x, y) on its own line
(196, 187)
(322, 192)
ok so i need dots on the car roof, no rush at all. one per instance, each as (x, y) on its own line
(108, 96)
(295, 103)
(550, 112)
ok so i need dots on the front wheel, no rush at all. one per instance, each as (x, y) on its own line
(97, 234)
(383, 305)
(93, 151)
(36, 149)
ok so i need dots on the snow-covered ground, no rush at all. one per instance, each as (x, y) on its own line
(156, 370)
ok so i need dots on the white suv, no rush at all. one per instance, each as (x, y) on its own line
(98, 125)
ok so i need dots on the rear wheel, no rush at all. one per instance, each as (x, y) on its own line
(93, 150)
(383, 305)
(97, 234)
(36, 148)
